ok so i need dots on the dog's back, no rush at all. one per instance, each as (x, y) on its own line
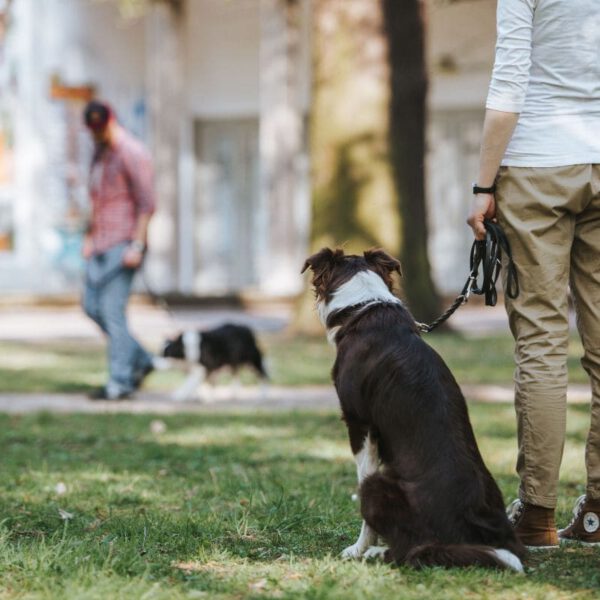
(230, 345)
(434, 484)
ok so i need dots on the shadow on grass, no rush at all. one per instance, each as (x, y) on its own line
(39, 381)
(246, 481)
(63, 366)
(209, 489)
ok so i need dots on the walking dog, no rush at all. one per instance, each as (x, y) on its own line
(206, 352)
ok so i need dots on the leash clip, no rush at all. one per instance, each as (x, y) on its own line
(469, 288)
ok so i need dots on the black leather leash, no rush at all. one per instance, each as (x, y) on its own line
(487, 255)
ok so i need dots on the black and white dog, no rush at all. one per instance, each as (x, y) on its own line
(424, 488)
(206, 352)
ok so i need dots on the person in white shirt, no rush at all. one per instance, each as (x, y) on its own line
(539, 177)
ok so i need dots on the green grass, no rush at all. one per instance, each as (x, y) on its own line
(231, 506)
(76, 366)
(489, 359)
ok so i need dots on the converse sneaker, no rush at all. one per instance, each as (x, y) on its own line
(585, 524)
(534, 525)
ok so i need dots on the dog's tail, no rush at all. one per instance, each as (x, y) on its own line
(462, 555)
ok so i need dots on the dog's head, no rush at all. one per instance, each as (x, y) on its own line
(174, 348)
(351, 279)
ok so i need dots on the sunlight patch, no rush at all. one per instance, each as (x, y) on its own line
(326, 450)
(209, 435)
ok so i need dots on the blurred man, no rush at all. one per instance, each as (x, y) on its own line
(122, 198)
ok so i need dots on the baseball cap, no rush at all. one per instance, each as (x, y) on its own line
(97, 115)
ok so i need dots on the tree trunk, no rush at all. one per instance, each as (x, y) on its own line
(352, 188)
(405, 32)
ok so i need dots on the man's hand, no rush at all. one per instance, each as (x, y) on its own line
(133, 256)
(483, 207)
(87, 247)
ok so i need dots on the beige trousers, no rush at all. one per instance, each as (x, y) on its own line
(551, 217)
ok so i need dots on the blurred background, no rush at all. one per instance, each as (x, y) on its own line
(276, 127)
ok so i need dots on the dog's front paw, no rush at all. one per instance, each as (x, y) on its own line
(353, 552)
(375, 552)
(160, 363)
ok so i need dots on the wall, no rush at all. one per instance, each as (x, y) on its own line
(461, 38)
(87, 42)
(222, 61)
(73, 43)
(237, 67)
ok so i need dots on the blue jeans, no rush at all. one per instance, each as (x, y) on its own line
(105, 297)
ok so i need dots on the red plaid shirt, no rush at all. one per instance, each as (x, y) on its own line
(121, 189)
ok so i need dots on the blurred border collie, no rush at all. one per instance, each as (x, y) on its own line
(206, 352)
(424, 488)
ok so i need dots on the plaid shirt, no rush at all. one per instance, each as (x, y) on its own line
(121, 189)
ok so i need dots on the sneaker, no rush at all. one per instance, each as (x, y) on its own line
(584, 527)
(141, 375)
(103, 393)
(534, 525)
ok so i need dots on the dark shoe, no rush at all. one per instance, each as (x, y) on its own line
(102, 393)
(141, 375)
(534, 525)
(584, 527)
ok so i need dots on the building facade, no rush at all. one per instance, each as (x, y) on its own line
(220, 92)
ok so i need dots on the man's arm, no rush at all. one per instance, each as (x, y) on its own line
(498, 128)
(506, 98)
(135, 253)
(141, 179)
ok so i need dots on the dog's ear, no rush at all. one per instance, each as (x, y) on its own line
(383, 264)
(380, 259)
(322, 264)
(323, 260)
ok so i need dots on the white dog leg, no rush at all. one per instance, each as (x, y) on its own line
(375, 552)
(235, 386)
(189, 388)
(263, 389)
(367, 463)
(160, 363)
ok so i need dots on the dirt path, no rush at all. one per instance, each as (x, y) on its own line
(225, 399)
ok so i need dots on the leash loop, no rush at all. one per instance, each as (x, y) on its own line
(487, 255)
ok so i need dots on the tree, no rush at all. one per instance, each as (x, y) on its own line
(352, 187)
(367, 129)
(405, 33)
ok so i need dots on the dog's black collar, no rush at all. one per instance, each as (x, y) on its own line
(355, 310)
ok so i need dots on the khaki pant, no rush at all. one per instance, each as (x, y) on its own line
(551, 217)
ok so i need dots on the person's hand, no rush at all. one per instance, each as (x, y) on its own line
(133, 256)
(483, 207)
(87, 247)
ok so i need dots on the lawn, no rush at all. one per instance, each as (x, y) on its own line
(64, 366)
(244, 505)
(230, 506)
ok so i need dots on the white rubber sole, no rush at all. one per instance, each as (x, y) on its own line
(569, 542)
(542, 548)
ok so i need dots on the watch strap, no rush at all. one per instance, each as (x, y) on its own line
(477, 189)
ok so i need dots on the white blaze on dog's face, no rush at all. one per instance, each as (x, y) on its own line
(343, 280)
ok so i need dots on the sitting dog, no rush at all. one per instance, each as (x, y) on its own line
(206, 352)
(424, 488)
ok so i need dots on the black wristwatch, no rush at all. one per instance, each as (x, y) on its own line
(477, 189)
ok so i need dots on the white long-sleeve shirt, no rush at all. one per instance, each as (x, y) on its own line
(547, 68)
